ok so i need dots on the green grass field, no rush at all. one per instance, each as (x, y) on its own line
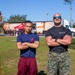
(9, 56)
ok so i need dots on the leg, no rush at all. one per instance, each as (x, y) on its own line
(58, 72)
(22, 66)
(52, 63)
(32, 67)
(64, 64)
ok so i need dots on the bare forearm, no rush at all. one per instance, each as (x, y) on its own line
(52, 43)
(64, 41)
(22, 47)
(33, 45)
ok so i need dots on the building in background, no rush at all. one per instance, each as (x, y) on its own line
(42, 26)
(39, 27)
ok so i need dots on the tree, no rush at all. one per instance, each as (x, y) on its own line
(1, 25)
(17, 18)
(70, 3)
(0, 16)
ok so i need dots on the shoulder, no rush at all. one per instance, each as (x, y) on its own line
(66, 29)
(21, 35)
(51, 29)
(35, 35)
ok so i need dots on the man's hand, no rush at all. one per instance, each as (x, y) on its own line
(22, 46)
(24, 43)
(66, 40)
(51, 42)
(32, 45)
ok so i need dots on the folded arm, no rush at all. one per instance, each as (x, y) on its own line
(21, 46)
(32, 45)
(66, 40)
(51, 42)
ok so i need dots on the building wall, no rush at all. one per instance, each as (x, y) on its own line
(48, 25)
(10, 26)
(40, 26)
(43, 26)
(6, 26)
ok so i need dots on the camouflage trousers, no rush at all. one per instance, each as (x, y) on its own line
(58, 61)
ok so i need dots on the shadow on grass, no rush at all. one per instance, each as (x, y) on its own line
(42, 73)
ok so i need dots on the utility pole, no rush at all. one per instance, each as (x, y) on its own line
(70, 14)
(70, 2)
(47, 16)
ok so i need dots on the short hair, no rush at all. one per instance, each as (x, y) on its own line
(28, 21)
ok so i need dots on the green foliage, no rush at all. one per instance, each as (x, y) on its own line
(73, 26)
(1, 25)
(17, 18)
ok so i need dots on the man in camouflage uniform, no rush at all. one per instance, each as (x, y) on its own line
(57, 39)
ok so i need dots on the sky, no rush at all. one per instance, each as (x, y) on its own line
(36, 10)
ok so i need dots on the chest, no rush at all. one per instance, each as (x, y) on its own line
(28, 38)
(58, 33)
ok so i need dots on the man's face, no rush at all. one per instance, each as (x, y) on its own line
(28, 27)
(57, 19)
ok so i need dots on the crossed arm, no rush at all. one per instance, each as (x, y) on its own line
(26, 45)
(65, 41)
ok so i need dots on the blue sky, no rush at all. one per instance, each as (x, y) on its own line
(36, 10)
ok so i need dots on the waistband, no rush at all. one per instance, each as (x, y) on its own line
(58, 51)
(26, 57)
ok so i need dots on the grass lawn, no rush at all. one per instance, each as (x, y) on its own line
(9, 56)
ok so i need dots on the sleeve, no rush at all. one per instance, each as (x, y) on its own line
(47, 33)
(36, 38)
(69, 32)
(19, 39)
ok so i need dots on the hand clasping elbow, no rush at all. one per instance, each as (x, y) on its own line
(19, 47)
(48, 44)
(69, 43)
